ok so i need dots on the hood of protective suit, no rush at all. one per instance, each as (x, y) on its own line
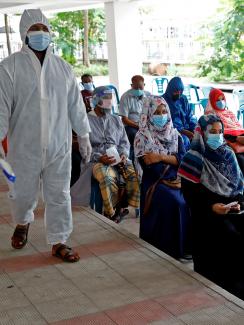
(175, 84)
(31, 17)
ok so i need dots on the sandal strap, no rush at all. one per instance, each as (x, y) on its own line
(21, 232)
(62, 247)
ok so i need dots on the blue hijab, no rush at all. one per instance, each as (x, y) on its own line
(181, 112)
(217, 170)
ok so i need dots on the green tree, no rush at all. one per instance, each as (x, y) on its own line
(225, 42)
(68, 28)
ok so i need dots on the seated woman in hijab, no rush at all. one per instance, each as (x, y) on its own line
(182, 115)
(212, 185)
(165, 222)
(233, 131)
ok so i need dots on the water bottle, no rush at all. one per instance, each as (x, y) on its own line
(7, 170)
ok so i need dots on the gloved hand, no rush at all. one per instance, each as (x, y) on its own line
(85, 147)
(2, 153)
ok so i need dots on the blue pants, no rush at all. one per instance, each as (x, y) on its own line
(131, 133)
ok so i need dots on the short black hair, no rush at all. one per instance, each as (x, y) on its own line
(136, 78)
(86, 75)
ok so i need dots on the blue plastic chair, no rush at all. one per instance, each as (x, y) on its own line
(239, 95)
(192, 94)
(161, 83)
(96, 200)
(206, 90)
(204, 102)
(204, 95)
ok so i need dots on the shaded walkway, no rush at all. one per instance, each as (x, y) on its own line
(119, 280)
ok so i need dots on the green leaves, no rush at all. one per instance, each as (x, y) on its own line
(68, 28)
(227, 43)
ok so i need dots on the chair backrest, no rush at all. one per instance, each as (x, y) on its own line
(203, 93)
(238, 95)
(161, 83)
(204, 102)
(191, 92)
(206, 90)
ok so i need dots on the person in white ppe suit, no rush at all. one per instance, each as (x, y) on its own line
(40, 104)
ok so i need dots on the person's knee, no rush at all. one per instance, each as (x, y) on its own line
(103, 173)
(97, 172)
(56, 192)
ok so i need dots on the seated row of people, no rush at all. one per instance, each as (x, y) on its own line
(131, 103)
(180, 217)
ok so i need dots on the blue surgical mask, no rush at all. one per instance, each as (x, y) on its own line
(221, 104)
(39, 40)
(88, 86)
(160, 120)
(137, 92)
(214, 141)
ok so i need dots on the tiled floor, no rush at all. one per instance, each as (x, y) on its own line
(118, 280)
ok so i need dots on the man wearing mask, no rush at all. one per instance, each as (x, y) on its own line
(40, 103)
(130, 108)
(87, 83)
(116, 177)
(86, 93)
(182, 116)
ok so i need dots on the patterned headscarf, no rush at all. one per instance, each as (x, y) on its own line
(231, 124)
(217, 170)
(151, 138)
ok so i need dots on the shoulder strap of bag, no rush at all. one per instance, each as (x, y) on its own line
(151, 190)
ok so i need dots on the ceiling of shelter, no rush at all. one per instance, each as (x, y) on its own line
(18, 6)
(13, 7)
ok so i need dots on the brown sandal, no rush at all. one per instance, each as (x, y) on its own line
(68, 256)
(20, 236)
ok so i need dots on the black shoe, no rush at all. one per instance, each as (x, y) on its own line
(187, 257)
(124, 213)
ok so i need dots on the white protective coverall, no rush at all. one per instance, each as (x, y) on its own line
(39, 106)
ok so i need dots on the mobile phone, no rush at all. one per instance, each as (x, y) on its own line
(229, 205)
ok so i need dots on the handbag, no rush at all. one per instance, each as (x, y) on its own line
(174, 183)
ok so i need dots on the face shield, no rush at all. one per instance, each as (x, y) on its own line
(105, 99)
